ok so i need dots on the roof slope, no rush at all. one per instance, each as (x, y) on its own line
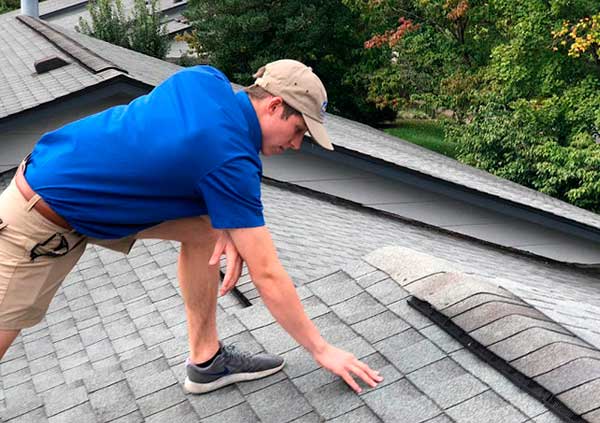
(114, 341)
(24, 40)
(377, 144)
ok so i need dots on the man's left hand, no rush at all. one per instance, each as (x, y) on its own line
(234, 262)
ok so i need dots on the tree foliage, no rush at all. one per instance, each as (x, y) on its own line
(522, 79)
(239, 36)
(8, 5)
(142, 32)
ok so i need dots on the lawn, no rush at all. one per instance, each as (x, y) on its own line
(426, 133)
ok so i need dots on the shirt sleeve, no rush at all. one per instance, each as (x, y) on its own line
(232, 195)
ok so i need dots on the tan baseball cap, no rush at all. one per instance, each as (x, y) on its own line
(299, 87)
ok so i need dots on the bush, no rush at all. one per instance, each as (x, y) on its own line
(143, 32)
(8, 5)
(550, 145)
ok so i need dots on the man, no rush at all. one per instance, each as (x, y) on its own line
(181, 163)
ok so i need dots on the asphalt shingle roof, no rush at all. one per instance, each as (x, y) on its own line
(377, 144)
(24, 41)
(113, 343)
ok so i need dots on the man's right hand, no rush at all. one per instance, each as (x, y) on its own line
(344, 365)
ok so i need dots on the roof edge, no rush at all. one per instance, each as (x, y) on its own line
(583, 229)
(87, 58)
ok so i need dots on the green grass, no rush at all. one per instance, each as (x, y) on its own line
(426, 133)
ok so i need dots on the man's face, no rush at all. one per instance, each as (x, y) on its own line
(279, 134)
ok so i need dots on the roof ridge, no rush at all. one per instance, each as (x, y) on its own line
(87, 58)
(501, 347)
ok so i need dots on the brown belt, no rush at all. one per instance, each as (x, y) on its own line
(40, 206)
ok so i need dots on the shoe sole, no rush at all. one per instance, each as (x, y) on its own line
(202, 388)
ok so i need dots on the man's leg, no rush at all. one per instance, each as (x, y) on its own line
(198, 281)
(6, 338)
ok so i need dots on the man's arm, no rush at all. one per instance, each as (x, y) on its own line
(279, 295)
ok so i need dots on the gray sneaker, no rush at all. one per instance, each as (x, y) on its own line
(231, 366)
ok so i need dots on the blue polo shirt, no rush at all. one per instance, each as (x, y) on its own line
(190, 147)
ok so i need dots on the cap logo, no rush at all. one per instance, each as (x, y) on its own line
(323, 109)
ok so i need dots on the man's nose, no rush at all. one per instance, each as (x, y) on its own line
(297, 143)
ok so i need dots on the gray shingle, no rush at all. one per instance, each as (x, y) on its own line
(488, 407)
(335, 288)
(387, 291)
(34, 416)
(334, 399)
(547, 417)
(217, 401)
(290, 403)
(48, 379)
(333, 329)
(113, 401)
(160, 400)
(593, 416)
(508, 326)
(357, 308)
(101, 379)
(20, 399)
(446, 383)
(409, 351)
(274, 339)
(410, 315)
(584, 398)
(409, 405)
(150, 377)
(570, 375)
(256, 385)
(62, 398)
(255, 316)
(313, 380)
(7, 367)
(380, 326)
(487, 313)
(155, 334)
(528, 341)
(183, 413)
(78, 373)
(358, 268)
(521, 400)
(440, 338)
(371, 278)
(298, 362)
(360, 415)
(80, 413)
(241, 413)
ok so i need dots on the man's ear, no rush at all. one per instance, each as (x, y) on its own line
(273, 104)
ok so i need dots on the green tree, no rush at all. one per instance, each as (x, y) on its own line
(108, 22)
(239, 36)
(433, 50)
(147, 34)
(8, 5)
(142, 32)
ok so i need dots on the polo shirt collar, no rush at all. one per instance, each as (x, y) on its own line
(250, 115)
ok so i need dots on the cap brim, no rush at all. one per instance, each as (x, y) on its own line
(317, 132)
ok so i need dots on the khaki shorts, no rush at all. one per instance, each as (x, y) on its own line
(35, 256)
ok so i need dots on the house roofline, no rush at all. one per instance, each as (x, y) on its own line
(461, 192)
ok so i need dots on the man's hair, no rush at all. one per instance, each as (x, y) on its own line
(259, 93)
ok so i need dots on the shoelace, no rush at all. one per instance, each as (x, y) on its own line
(235, 355)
